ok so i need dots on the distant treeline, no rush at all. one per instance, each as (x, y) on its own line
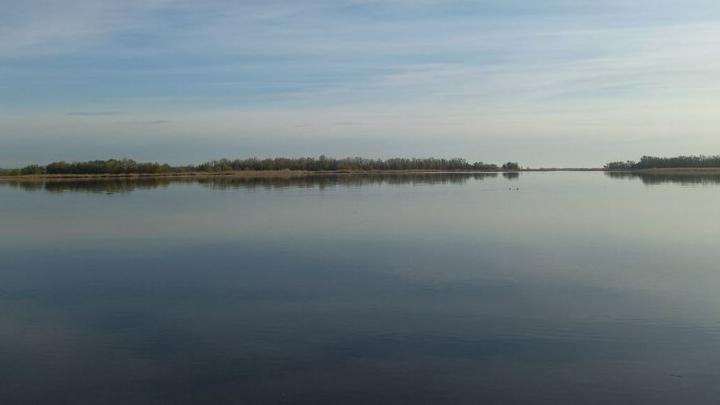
(129, 166)
(652, 162)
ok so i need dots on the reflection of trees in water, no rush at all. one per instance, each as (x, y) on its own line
(511, 175)
(661, 178)
(108, 186)
(343, 180)
(112, 186)
(26, 185)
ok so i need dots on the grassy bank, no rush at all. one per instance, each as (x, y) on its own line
(130, 176)
(242, 174)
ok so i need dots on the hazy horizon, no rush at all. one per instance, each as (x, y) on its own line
(547, 83)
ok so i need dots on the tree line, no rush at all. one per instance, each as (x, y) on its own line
(322, 163)
(652, 162)
(111, 166)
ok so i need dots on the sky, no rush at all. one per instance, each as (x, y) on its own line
(543, 82)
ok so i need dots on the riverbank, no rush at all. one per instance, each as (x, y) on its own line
(280, 174)
(244, 174)
(180, 175)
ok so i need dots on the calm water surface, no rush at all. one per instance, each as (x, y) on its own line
(557, 288)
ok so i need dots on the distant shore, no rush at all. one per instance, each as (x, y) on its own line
(253, 174)
(241, 174)
(248, 174)
(186, 175)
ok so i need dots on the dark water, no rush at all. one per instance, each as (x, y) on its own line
(557, 288)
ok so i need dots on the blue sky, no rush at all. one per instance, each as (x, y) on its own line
(554, 82)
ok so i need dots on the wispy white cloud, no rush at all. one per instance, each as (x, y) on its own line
(44, 26)
(91, 113)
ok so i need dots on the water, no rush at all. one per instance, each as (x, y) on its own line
(544, 288)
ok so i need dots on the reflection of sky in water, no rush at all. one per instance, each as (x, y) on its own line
(576, 287)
